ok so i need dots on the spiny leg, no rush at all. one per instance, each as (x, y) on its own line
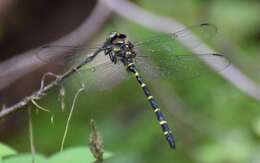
(160, 117)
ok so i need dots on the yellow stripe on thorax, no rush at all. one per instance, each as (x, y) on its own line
(129, 65)
(150, 97)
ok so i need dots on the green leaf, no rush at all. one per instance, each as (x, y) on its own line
(6, 151)
(25, 158)
(78, 154)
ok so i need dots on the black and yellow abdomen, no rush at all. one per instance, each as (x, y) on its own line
(160, 117)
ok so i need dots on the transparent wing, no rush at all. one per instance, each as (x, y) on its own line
(180, 66)
(63, 55)
(99, 74)
(102, 74)
(171, 42)
(165, 56)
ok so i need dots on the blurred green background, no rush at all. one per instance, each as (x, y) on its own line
(213, 121)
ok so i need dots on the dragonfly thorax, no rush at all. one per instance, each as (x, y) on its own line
(119, 48)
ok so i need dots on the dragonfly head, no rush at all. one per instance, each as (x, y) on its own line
(114, 36)
(121, 48)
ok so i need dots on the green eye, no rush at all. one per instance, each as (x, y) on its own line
(113, 34)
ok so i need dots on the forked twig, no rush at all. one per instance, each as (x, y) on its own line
(38, 106)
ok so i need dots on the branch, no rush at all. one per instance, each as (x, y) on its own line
(162, 24)
(41, 92)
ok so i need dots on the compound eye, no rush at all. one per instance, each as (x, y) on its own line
(122, 36)
(113, 35)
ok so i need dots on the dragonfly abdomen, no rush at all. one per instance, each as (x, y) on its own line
(160, 117)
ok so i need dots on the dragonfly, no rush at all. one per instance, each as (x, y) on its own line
(158, 56)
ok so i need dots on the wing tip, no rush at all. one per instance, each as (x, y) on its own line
(210, 25)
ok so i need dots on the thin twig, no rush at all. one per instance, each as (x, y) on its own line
(38, 106)
(69, 118)
(31, 135)
(45, 76)
(149, 20)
